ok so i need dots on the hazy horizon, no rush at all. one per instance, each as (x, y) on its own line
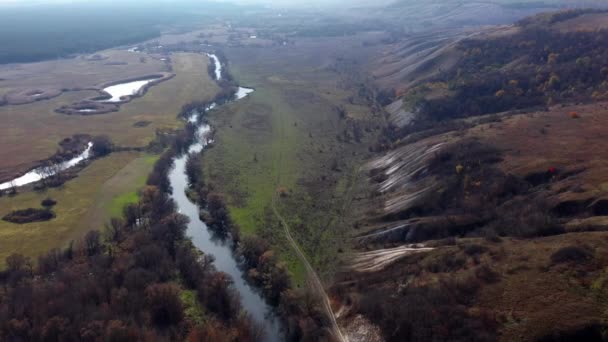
(268, 3)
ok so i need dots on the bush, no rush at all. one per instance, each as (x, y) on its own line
(487, 274)
(29, 215)
(194, 169)
(448, 262)
(165, 305)
(473, 249)
(428, 313)
(48, 203)
(102, 146)
(571, 254)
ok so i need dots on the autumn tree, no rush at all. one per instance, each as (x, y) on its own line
(102, 146)
(164, 304)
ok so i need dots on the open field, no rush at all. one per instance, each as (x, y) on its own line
(283, 138)
(122, 189)
(83, 72)
(95, 187)
(31, 132)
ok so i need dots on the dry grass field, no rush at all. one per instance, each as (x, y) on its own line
(75, 201)
(82, 72)
(32, 131)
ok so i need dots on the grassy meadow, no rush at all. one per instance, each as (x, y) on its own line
(83, 204)
(31, 132)
(283, 139)
(106, 185)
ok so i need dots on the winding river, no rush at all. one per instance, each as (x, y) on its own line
(38, 174)
(204, 239)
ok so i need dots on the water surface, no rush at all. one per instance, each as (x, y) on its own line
(204, 239)
(118, 91)
(37, 174)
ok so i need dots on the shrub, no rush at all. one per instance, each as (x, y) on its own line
(48, 203)
(194, 169)
(102, 146)
(428, 313)
(571, 254)
(473, 249)
(445, 263)
(164, 304)
(29, 215)
(487, 274)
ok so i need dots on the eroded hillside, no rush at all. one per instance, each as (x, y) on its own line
(485, 215)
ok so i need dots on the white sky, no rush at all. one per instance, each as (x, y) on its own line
(265, 2)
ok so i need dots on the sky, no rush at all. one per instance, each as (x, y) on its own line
(265, 2)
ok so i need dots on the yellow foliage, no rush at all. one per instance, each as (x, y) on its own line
(552, 58)
(596, 95)
(459, 168)
(282, 191)
(553, 81)
(500, 93)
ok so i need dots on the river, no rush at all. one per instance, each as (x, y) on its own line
(38, 174)
(204, 239)
(117, 92)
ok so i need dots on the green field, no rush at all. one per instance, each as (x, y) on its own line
(133, 176)
(122, 189)
(74, 215)
(283, 139)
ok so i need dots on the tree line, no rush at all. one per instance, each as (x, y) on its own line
(121, 285)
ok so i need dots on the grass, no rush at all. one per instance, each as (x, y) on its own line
(253, 151)
(85, 203)
(103, 188)
(262, 132)
(73, 219)
(121, 201)
(31, 132)
(130, 181)
(283, 136)
(192, 308)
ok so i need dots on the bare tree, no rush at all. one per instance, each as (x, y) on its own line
(45, 172)
(13, 188)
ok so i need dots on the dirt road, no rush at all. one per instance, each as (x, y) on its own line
(313, 278)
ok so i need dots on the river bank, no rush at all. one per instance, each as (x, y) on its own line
(203, 238)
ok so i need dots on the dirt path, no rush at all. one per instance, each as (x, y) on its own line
(313, 279)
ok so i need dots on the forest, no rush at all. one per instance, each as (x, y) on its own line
(141, 279)
(123, 284)
(537, 66)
